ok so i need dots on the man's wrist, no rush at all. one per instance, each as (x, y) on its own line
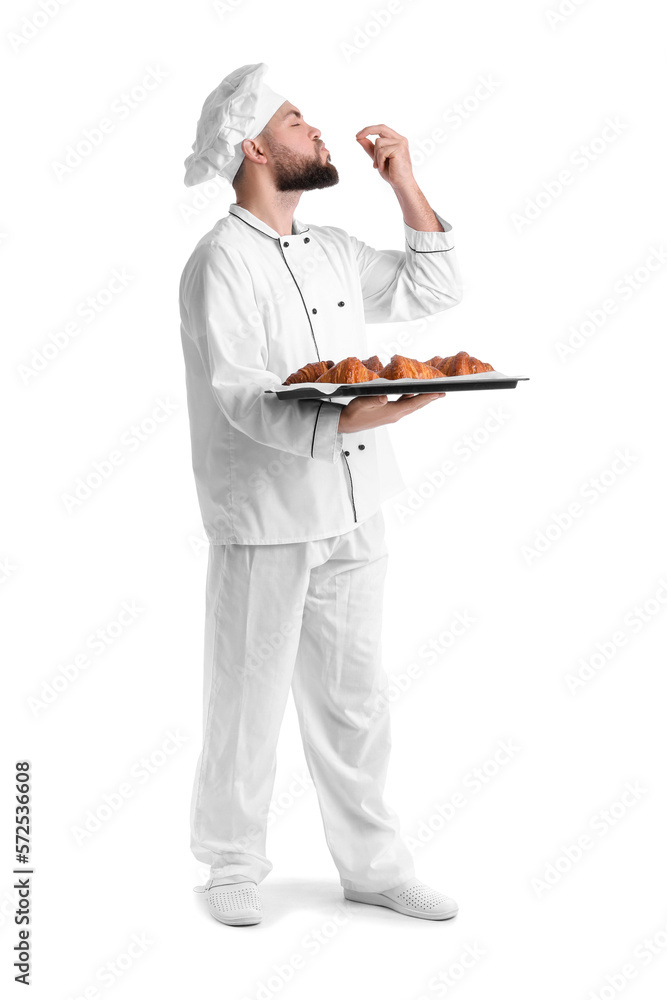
(417, 213)
(407, 192)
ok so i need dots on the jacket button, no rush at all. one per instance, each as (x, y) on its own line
(314, 310)
(285, 244)
(341, 303)
(346, 453)
(307, 239)
(361, 447)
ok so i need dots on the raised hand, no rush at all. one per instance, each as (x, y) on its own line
(389, 152)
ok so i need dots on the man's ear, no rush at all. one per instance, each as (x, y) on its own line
(253, 150)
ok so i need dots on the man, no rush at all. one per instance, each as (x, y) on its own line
(290, 493)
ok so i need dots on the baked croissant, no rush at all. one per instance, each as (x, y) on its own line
(347, 371)
(459, 364)
(400, 367)
(309, 373)
(373, 364)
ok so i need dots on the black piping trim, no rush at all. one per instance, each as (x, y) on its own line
(444, 250)
(312, 443)
(304, 303)
(235, 216)
(253, 227)
(279, 238)
(354, 509)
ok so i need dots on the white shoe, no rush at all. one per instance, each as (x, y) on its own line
(412, 898)
(233, 902)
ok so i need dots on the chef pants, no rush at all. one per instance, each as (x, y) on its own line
(306, 615)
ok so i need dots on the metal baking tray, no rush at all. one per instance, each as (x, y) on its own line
(397, 386)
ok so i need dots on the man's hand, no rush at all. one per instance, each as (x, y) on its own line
(365, 412)
(389, 154)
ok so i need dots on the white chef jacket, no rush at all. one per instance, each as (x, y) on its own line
(255, 306)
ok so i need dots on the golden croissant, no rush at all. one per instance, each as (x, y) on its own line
(347, 371)
(400, 367)
(309, 373)
(373, 364)
(351, 369)
(459, 364)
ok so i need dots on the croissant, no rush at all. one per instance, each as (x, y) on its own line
(400, 367)
(373, 364)
(347, 371)
(309, 373)
(459, 364)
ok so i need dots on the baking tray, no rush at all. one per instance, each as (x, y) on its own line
(397, 386)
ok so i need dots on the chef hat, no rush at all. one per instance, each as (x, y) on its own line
(237, 109)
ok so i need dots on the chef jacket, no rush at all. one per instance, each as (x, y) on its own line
(255, 306)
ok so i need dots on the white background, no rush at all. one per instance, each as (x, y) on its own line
(484, 542)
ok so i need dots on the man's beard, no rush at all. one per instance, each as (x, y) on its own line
(299, 173)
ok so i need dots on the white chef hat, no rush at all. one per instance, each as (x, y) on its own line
(237, 109)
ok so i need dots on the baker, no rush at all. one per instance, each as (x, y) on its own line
(290, 493)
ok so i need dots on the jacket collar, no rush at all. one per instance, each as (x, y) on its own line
(252, 220)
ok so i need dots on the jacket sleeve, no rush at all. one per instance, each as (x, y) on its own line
(402, 285)
(220, 316)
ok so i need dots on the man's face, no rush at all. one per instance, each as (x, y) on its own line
(300, 160)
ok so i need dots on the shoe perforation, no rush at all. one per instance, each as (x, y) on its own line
(229, 900)
(422, 897)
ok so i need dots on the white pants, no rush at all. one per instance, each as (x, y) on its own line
(305, 614)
